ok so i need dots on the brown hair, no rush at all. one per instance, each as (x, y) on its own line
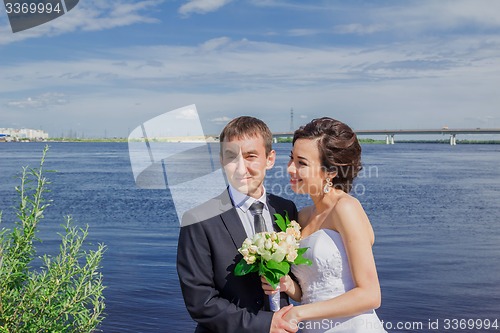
(338, 146)
(247, 126)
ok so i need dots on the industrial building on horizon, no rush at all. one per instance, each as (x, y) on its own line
(13, 134)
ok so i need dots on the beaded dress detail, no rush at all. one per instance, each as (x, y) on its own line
(330, 276)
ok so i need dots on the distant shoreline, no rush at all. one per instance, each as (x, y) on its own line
(383, 142)
(194, 140)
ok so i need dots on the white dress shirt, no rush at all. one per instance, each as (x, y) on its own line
(242, 203)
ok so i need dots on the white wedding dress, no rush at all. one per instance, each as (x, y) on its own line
(330, 276)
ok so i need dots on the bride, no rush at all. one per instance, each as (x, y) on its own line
(340, 290)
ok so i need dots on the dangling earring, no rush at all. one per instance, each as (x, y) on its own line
(328, 185)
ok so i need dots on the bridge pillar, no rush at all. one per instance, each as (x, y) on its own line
(453, 140)
(275, 140)
(392, 139)
(387, 139)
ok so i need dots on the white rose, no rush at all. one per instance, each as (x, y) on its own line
(261, 248)
(281, 236)
(294, 225)
(292, 256)
(279, 255)
(247, 242)
(259, 243)
(250, 259)
(294, 229)
(259, 237)
(290, 239)
(253, 249)
(266, 255)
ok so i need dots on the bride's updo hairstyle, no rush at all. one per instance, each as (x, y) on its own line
(339, 149)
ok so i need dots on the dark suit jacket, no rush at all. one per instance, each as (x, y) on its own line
(206, 256)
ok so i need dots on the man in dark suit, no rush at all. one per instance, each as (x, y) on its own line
(212, 233)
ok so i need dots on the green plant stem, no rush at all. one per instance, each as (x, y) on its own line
(65, 294)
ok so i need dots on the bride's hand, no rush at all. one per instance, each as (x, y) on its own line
(286, 284)
(292, 316)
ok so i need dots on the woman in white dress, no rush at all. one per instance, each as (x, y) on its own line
(340, 291)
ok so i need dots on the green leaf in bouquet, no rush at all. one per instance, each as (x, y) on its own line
(280, 221)
(301, 250)
(273, 271)
(282, 267)
(270, 276)
(300, 260)
(242, 268)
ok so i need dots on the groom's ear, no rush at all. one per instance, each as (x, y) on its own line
(271, 159)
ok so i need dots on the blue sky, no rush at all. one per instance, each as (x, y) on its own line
(107, 66)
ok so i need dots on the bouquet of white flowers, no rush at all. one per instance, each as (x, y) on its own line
(272, 253)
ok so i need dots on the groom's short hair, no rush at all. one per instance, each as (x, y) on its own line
(246, 126)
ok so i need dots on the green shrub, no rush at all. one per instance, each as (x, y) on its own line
(65, 293)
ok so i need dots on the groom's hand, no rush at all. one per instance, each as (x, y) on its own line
(280, 325)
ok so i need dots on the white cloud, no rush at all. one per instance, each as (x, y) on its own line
(216, 43)
(303, 32)
(39, 102)
(202, 6)
(420, 17)
(223, 119)
(243, 64)
(113, 14)
(403, 19)
(405, 78)
(283, 4)
(359, 29)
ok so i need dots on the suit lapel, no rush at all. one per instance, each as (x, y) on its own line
(231, 220)
(272, 211)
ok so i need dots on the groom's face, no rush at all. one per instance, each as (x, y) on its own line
(245, 163)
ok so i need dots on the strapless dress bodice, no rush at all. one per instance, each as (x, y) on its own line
(328, 277)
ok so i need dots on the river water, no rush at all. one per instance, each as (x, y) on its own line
(434, 208)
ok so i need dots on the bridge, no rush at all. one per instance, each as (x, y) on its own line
(389, 134)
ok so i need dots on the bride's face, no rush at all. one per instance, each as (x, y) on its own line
(306, 173)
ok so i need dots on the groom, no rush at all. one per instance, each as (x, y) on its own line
(212, 233)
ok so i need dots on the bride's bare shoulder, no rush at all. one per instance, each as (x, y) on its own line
(347, 203)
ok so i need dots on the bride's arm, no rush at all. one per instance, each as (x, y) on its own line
(287, 285)
(350, 220)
